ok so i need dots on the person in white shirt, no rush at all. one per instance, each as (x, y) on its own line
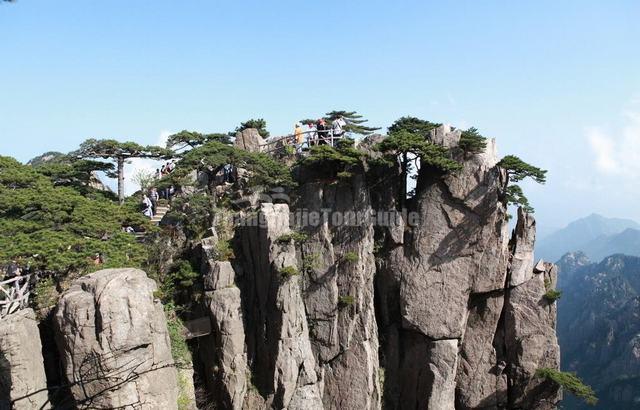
(148, 206)
(337, 127)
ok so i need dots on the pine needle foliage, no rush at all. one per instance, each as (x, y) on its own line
(569, 382)
(54, 229)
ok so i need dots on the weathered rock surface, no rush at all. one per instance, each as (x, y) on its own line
(530, 341)
(22, 378)
(249, 140)
(225, 359)
(457, 280)
(339, 292)
(114, 342)
(277, 333)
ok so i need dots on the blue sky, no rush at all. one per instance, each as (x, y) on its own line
(557, 83)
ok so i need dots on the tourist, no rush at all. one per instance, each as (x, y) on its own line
(337, 127)
(323, 132)
(297, 132)
(154, 197)
(312, 134)
(147, 206)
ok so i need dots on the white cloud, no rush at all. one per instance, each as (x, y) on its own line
(619, 153)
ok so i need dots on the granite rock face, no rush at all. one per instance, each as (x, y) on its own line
(23, 384)
(114, 342)
(249, 140)
(277, 332)
(225, 359)
(458, 278)
(339, 268)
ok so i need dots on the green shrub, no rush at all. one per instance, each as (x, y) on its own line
(289, 271)
(295, 236)
(472, 142)
(351, 257)
(225, 251)
(179, 348)
(344, 175)
(569, 382)
(346, 300)
(310, 262)
(551, 294)
(46, 295)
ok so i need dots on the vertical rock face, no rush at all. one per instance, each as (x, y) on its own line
(459, 303)
(277, 334)
(22, 379)
(114, 342)
(339, 297)
(226, 361)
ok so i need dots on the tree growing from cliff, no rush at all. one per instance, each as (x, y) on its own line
(569, 382)
(259, 124)
(407, 142)
(355, 122)
(119, 152)
(472, 142)
(517, 170)
(192, 139)
(212, 156)
(333, 161)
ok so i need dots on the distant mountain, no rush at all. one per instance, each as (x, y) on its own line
(626, 242)
(588, 234)
(599, 327)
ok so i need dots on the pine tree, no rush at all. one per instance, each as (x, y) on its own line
(259, 124)
(355, 122)
(55, 230)
(517, 170)
(119, 152)
(192, 139)
(407, 140)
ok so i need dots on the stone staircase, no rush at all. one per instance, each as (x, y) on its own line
(161, 211)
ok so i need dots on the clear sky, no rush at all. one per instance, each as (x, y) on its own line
(556, 82)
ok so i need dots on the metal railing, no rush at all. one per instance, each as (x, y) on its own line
(14, 294)
(313, 138)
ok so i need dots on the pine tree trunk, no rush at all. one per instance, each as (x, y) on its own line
(403, 182)
(121, 179)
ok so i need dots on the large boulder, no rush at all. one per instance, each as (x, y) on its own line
(249, 140)
(114, 342)
(22, 379)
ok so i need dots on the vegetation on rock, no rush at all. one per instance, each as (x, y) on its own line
(119, 152)
(259, 124)
(54, 229)
(472, 142)
(517, 170)
(569, 382)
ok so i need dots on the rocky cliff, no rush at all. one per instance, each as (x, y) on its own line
(340, 295)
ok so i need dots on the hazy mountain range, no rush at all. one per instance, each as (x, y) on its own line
(599, 327)
(595, 235)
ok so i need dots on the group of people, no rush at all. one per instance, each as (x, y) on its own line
(166, 169)
(319, 133)
(150, 199)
